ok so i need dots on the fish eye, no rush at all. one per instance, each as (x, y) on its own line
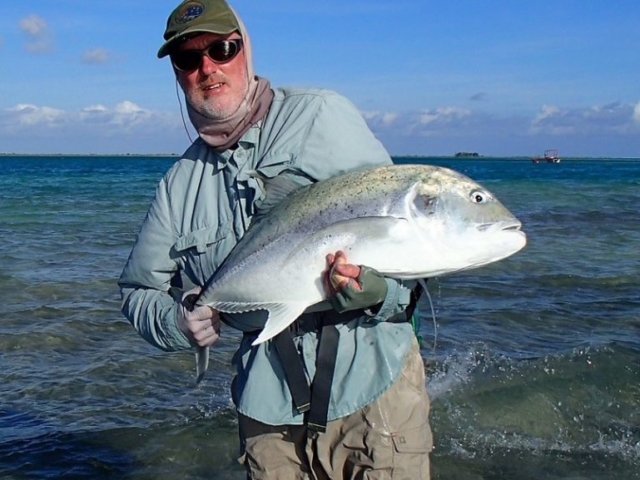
(478, 196)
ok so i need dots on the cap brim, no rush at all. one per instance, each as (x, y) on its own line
(166, 47)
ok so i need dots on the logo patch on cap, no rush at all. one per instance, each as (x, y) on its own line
(189, 11)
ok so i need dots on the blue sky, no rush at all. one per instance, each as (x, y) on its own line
(498, 77)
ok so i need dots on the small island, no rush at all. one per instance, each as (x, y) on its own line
(466, 154)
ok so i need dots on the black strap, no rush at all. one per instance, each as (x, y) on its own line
(416, 292)
(321, 388)
(293, 370)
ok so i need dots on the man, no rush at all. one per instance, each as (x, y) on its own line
(338, 395)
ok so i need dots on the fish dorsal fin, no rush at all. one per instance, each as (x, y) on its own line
(278, 188)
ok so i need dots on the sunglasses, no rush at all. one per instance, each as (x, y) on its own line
(219, 52)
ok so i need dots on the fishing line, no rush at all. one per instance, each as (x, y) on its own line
(184, 123)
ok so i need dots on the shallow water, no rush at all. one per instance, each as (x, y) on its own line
(535, 371)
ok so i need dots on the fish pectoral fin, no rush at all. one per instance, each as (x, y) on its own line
(278, 188)
(281, 315)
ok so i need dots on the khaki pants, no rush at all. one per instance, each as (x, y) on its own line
(388, 439)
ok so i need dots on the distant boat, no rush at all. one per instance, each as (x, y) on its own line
(550, 156)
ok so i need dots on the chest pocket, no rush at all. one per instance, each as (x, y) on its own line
(202, 251)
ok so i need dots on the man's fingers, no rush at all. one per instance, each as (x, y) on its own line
(339, 282)
(205, 332)
(343, 274)
(202, 318)
(339, 272)
(204, 312)
(206, 337)
(347, 270)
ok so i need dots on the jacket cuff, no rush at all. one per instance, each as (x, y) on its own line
(396, 301)
(175, 336)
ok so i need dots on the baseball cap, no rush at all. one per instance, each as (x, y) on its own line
(198, 16)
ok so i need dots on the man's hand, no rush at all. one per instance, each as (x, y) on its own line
(201, 325)
(352, 287)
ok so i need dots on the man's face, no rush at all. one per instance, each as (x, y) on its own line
(214, 90)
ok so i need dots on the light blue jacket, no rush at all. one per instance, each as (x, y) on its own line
(203, 206)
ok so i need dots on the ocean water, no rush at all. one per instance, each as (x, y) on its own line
(533, 363)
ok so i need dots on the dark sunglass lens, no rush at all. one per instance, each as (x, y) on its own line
(223, 51)
(219, 52)
(186, 60)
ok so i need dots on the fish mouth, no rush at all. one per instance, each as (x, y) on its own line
(513, 226)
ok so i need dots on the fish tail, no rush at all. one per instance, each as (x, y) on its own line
(202, 362)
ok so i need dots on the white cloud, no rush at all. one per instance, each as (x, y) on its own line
(422, 123)
(615, 117)
(33, 25)
(124, 118)
(122, 128)
(128, 107)
(128, 115)
(610, 129)
(95, 115)
(128, 127)
(389, 118)
(96, 56)
(380, 118)
(94, 108)
(547, 111)
(443, 115)
(39, 39)
(27, 115)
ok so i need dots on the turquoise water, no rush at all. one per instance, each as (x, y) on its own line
(534, 371)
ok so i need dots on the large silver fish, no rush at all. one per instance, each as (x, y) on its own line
(406, 221)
